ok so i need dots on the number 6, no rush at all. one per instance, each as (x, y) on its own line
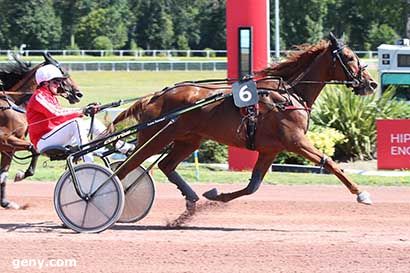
(244, 94)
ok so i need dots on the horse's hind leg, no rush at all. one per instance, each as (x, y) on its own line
(13, 144)
(261, 167)
(180, 151)
(4, 169)
(307, 150)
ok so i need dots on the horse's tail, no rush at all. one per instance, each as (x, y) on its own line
(133, 111)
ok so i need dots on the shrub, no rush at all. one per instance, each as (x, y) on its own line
(102, 43)
(355, 117)
(322, 138)
(211, 152)
(212, 53)
(381, 34)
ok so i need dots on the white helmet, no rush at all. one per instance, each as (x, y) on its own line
(47, 73)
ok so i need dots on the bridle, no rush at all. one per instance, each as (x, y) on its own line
(354, 80)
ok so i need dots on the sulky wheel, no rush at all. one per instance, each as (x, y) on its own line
(100, 210)
(139, 194)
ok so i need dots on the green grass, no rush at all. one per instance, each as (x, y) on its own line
(106, 87)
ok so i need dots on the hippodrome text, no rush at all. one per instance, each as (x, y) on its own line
(399, 139)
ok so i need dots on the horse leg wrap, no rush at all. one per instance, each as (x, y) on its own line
(254, 184)
(322, 163)
(3, 177)
(3, 201)
(185, 189)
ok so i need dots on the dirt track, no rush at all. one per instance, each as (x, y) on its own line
(278, 229)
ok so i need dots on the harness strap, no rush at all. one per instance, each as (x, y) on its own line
(249, 120)
(12, 105)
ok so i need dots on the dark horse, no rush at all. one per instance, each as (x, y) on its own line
(281, 124)
(17, 84)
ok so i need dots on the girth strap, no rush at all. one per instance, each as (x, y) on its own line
(249, 120)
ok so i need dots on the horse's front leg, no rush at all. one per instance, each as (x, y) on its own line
(306, 149)
(261, 167)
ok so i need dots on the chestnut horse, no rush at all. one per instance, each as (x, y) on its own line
(17, 84)
(281, 124)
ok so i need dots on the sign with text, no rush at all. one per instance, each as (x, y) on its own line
(393, 144)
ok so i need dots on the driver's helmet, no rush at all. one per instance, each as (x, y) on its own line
(47, 73)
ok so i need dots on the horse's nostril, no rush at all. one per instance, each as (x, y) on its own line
(79, 94)
(373, 85)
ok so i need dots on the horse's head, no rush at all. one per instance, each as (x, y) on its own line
(347, 67)
(68, 88)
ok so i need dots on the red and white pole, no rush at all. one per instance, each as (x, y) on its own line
(253, 14)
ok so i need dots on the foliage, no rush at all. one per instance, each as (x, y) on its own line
(166, 24)
(107, 22)
(211, 152)
(355, 18)
(381, 34)
(155, 31)
(182, 42)
(355, 117)
(30, 22)
(305, 21)
(102, 43)
(324, 139)
(213, 25)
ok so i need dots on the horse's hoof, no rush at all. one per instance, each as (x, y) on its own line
(10, 205)
(20, 175)
(211, 194)
(364, 198)
(190, 206)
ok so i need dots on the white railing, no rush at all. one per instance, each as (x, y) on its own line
(148, 53)
(141, 65)
(134, 53)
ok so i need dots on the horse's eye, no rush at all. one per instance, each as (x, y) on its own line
(350, 59)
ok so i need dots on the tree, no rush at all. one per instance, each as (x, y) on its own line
(302, 21)
(213, 25)
(380, 34)
(356, 18)
(107, 22)
(32, 22)
(186, 23)
(155, 31)
(70, 13)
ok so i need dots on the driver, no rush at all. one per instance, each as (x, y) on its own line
(51, 125)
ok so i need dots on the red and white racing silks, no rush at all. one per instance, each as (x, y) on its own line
(44, 113)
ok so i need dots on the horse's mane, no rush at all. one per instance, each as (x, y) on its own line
(13, 72)
(296, 61)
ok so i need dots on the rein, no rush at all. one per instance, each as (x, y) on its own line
(336, 55)
(24, 80)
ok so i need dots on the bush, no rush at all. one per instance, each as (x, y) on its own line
(74, 46)
(381, 34)
(102, 43)
(211, 152)
(212, 53)
(355, 117)
(322, 138)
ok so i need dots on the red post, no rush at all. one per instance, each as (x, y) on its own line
(254, 14)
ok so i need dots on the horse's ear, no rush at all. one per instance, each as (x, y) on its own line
(332, 38)
(49, 60)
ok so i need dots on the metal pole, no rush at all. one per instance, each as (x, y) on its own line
(277, 44)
